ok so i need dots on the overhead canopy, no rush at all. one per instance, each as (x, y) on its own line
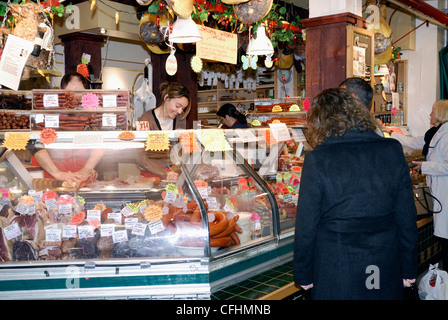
(424, 11)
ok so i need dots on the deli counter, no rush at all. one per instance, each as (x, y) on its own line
(125, 233)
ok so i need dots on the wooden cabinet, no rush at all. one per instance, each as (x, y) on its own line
(330, 52)
(391, 91)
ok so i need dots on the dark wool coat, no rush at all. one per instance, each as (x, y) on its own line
(356, 232)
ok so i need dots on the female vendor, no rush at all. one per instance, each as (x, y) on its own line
(69, 165)
(231, 117)
(169, 115)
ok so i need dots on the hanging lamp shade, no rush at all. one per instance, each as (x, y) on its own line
(262, 45)
(184, 31)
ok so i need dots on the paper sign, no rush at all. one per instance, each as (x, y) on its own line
(15, 54)
(280, 131)
(217, 45)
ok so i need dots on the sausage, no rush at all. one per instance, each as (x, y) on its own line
(220, 242)
(196, 216)
(182, 216)
(230, 228)
(219, 225)
(234, 238)
(238, 229)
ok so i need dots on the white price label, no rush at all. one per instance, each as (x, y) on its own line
(12, 231)
(51, 101)
(170, 197)
(51, 121)
(116, 216)
(139, 229)
(130, 222)
(109, 100)
(107, 230)
(109, 120)
(85, 232)
(120, 236)
(53, 235)
(69, 231)
(93, 215)
(155, 227)
(65, 208)
(51, 204)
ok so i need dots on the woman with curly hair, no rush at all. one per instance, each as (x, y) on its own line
(356, 233)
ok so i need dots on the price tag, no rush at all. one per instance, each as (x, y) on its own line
(129, 210)
(171, 193)
(120, 236)
(212, 203)
(53, 234)
(229, 206)
(280, 131)
(155, 227)
(12, 231)
(109, 120)
(51, 101)
(85, 232)
(37, 195)
(51, 204)
(65, 208)
(107, 230)
(109, 100)
(139, 229)
(129, 222)
(93, 215)
(116, 216)
(51, 121)
(69, 231)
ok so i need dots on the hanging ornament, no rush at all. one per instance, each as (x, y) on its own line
(92, 5)
(171, 62)
(117, 17)
(268, 61)
(249, 62)
(196, 64)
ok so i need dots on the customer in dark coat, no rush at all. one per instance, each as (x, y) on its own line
(356, 233)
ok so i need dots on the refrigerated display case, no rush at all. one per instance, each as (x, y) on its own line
(124, 234)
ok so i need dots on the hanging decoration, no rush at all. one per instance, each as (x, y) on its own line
(249, 62)
(196, 64)
(171, 62)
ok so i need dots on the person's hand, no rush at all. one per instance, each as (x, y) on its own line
(407, 282)
(71, 178)
(418, 165)
(172, 176)
(307, 286)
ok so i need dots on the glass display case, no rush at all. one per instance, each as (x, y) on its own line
(140, 235)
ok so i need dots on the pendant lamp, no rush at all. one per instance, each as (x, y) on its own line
(262, 45)
(184, 31)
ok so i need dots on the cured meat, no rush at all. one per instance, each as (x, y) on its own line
(5, 244)
(205, 172)
(24, 251)
(31, 225)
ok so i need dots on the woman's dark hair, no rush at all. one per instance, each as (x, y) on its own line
(176, 90)
(334, 112)
(229, 109)
(70, 75)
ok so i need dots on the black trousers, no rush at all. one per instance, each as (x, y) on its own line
(444, 257)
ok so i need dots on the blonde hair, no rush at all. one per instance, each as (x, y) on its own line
(440, 109)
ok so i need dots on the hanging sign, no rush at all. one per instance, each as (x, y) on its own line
(217, 45)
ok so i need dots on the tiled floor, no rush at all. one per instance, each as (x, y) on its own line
(257, 286)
